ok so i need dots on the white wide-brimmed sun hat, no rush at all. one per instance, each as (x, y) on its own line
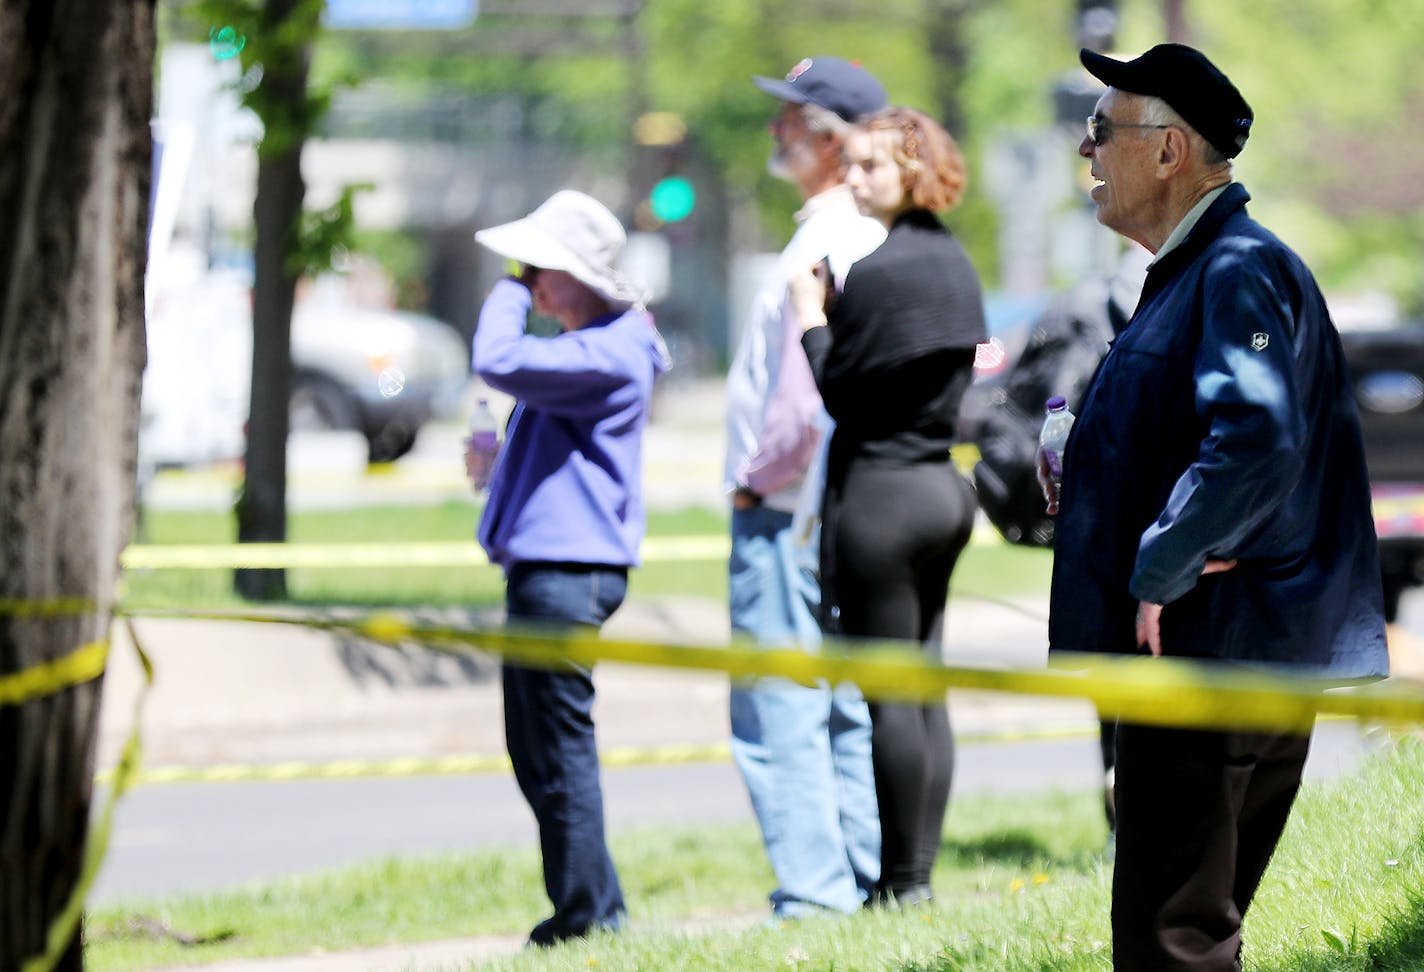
(572, 232)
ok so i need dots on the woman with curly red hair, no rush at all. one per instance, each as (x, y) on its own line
(893, 353)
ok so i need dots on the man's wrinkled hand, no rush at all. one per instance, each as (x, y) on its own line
(1149, 615)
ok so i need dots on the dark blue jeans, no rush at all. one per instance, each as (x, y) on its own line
(548, 728)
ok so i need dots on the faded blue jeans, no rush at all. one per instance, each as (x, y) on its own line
(548, 729)
(803, 751)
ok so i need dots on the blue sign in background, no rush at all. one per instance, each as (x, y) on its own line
(401, 14)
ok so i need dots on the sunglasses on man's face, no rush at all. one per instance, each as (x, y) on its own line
(1100, 129)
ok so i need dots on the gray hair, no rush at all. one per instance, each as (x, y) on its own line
(1155, 111)
(820, 119)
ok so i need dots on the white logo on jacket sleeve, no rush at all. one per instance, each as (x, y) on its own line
(1259, 340)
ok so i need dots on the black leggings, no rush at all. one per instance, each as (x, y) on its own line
(893, 533)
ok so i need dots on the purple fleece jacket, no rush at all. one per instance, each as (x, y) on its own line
(568, 485)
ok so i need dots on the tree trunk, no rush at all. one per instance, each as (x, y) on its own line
(262, 508)
(75, 103)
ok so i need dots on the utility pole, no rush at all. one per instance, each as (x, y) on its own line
(1075, 95)
(1174, 13)
(639, 165)
(1076, 92)
(1097, 24)
(946, 38)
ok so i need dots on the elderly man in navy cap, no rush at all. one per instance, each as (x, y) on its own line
(1214, 504)
(803, 751)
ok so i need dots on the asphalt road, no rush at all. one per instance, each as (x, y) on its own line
(197, 837)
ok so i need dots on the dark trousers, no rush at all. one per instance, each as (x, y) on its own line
(1198, 817)
(891, 535)
(548, 729)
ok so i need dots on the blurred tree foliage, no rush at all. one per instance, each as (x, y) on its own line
(1332, 163)
(1334, 160)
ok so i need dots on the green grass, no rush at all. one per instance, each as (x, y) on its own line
(996, 570)
(1020, 888)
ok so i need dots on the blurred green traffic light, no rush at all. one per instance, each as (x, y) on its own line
(225, 42)
(672, 199)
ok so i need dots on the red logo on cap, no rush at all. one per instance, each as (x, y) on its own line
(801, 68)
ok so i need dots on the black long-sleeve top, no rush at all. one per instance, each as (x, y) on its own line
(897, 353)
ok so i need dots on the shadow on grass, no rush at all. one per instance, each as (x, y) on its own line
(1009, 848)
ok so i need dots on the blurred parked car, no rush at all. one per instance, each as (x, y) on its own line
(382, 373)
(1387, 366)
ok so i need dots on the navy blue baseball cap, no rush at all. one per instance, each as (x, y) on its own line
(1184, 78)
(834, 83)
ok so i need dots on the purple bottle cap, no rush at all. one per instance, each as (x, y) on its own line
(1055, 403)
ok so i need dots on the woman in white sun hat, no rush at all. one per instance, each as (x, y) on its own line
(564, 516)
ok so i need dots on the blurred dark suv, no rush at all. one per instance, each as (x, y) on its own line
(1387, 367)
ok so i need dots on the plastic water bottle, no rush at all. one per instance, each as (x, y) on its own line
(1051, 440)
(482, 447)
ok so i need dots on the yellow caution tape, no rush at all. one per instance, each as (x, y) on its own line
(460, 553)
(335, 769)
(1157, 691)
(54, 607)
(62, 928)
(80, 665)
(657, 549)
(255, 555)
(464, 553)
(414, 766)
(470, 764)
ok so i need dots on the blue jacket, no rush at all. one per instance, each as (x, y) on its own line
(568, 485)
(1221, 425)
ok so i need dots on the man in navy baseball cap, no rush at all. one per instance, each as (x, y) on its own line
(834, 83)
(803, 751)
(1193, 86)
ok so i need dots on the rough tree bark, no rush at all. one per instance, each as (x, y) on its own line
(284, 109)
(75, 103)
